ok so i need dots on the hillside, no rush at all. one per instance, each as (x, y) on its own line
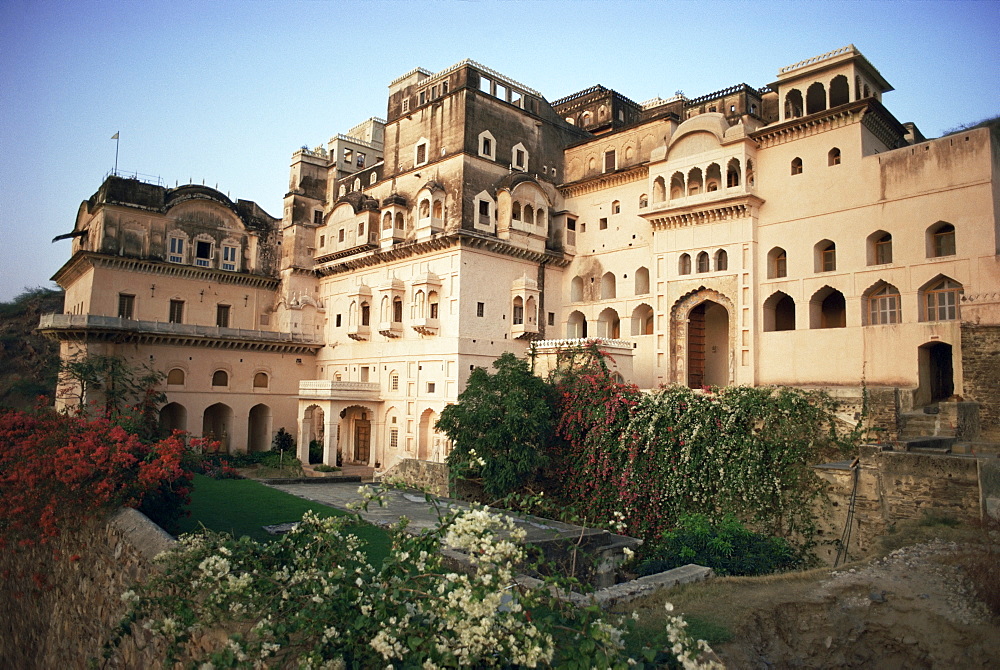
(28, 362)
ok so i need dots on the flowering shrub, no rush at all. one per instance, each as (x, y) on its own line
(56, 468)
(657, 457)
(312, 600)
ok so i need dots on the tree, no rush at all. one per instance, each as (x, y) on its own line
(500, 426)
(122, 393)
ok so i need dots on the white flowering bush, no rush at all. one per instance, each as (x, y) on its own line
(312, 599)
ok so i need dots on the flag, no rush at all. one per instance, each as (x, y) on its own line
(115, 136)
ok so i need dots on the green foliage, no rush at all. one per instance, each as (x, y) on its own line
(315, 451)
(727, 547)
(115, 389)
(323, 467)
(500, 426)
(29, 362)
(283, 441)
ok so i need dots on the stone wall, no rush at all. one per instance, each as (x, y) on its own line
(59, 601)
(423, 475)
(894, 486)
(981, 375)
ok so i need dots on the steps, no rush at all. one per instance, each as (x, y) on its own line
(929, 430)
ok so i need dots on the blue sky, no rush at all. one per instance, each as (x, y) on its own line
(225, 91)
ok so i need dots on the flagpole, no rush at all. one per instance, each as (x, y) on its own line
(115, 138)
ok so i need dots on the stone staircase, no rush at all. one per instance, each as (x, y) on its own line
(929, 430)
(365, 472)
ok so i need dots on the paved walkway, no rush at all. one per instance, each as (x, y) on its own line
(423, 515)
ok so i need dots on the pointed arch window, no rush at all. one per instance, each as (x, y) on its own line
(941, 300)
(883, 305)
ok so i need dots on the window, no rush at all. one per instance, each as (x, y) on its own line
(796, 166)
(702, 262)
(348, 155)
(394, 438)
(880, 248)
(175, 377)
(721, 260)
(942, 240)
(883, 305)
(431, 387)
(340, 235)
(616, 207)
(941, 300)
(684, 265)
(394, 382)
(480, 309)
(318, 217)
(406, 105)
(203, 254)
(361, 160)
(337, 321)
(260, 380)
(397, 310)
(322, 241)
(777, 263)
(229, 258)
(421, 156)
(176, 311)
(366, 314)
(603, 224)
(552, 318)
(176, 250)
(518, 158)
(643, 201)
(518, 316)
(222, 316)
(610, 160)
(826, 256)
(423, 97)
(484, 212)
(432, 302)
(126, 306)
(833, 158)
(220, 378)
(361, 231)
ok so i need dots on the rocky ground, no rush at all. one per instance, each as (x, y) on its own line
(913, 608)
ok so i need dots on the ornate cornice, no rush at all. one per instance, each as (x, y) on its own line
(735, 207)
(439, 242)
(813, 124)
(606, 180)
(84, 260)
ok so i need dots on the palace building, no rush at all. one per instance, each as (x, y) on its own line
(796, 233)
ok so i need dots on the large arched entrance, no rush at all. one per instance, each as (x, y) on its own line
(937, 376)
(173, 416)
(702, 333)
(217, 425)
(259, 428)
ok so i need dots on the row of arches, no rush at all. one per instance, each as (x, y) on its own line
(358, 437)
(939, 237)
(703, 263)
(220, 378)
(218, 424)
(698, 181)
(608, 287)
(527, 215)
(817, 98)
(881, 304)
(608, 323)
(425, 305)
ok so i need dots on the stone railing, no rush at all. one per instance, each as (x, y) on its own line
(97, 322)
(567, 343)
(816, 59)
(332, 390)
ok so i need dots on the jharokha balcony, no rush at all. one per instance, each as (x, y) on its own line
(95, 328)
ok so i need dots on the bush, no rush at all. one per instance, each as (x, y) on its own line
(55, 469)
(315, 451)
(323, 467)
(728, 547)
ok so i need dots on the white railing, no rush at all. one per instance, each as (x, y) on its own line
(581, 341)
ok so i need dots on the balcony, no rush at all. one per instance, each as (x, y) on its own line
(390, 329)
(426, 326)
(523, 330)
(359, 333)
(324, 389)
(93, 327)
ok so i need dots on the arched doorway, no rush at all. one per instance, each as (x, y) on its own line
(217, 424)
(259, 428)
(173, 416)
(701, 337)
(937, 377)
(429, 439)
(356, 426)
(313, 429)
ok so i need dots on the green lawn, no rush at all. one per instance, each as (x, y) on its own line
(242, 506)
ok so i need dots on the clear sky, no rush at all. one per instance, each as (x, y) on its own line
(225, 91)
